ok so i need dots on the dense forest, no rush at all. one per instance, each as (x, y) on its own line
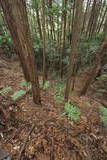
(53, 79)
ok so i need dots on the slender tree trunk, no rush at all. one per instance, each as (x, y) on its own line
(85, 15)
(16, 17)
(39, 24)
(105, 27)
(101, 16)
(100, 26)
(95, 20)
(74, 52)
(73, 15)
(44, 42)
(90, 23)
(63, 36)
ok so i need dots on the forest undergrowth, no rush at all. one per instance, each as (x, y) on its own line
(55, 131)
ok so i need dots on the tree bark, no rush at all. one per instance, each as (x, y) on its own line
(74, 52)
(16, 17)
(44, 42)
(63, 36)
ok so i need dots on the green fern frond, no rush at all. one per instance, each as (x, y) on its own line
(18, 94)
(5, 90)
(72, 111)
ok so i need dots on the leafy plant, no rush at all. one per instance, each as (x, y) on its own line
(46, 85)
(72, 111)
(26, 84)
(58, 98)
(59, 93)
(102, 77)
(103, 111)
(18, 94)
(60, 87)
(5, 90)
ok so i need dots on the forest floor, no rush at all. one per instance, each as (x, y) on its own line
(31, 132)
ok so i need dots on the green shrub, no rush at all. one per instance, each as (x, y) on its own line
(72, 111)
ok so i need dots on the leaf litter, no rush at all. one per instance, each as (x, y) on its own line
(54, 136)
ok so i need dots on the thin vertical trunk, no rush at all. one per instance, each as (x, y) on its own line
(95, 20)
(44, 42)
(105, 13)
(85, 15)
(90, 23)
(74, 52)
(39, 23)
(105, 27)
(63, 36)
(73, 15)
(101, 16)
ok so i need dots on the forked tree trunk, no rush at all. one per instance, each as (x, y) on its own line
(16, 17)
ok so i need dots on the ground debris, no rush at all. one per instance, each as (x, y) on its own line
(54, 136)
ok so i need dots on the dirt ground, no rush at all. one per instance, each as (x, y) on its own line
(31, 132)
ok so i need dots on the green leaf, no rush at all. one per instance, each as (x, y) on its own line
(46, 85)
(5, 90)
(72, 111)
(26, 84)
(18, 94)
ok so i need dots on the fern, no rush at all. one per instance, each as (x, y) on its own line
(26, 84)
(5, 90)
(18, 94)
(72, 111)
(102, 77)
(60, 87)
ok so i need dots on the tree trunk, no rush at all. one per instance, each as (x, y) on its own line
(63, 37)
(39, 23)
(105, 14)
(85, 15)
(44, 42)
(16, 17)
(74, 52)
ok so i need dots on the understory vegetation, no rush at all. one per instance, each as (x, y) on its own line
(53, 74)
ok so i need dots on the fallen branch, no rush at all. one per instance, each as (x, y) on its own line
(25, 142)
